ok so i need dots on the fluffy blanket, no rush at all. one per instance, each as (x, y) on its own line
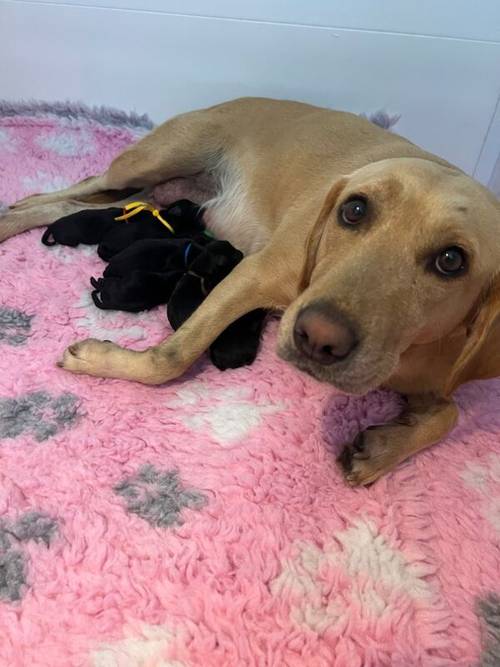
(204, 523)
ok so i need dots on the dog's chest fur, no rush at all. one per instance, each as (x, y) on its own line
(230, 215)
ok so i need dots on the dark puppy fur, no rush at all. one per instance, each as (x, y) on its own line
(185, 217)
(180, 273)
(98, 226)
(144, 275)
(87, 227)
(155, 255)
(137, 291)
(204, 272)
(239, 343)
(148, 267)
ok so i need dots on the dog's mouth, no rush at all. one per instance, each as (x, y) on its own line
(357, 374)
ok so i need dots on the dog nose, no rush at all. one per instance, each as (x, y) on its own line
(323, 336)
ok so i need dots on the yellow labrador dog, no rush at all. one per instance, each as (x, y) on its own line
(383, 258)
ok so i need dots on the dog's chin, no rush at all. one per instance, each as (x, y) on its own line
(349, 377)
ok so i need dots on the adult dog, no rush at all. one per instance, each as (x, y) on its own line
(382, 257)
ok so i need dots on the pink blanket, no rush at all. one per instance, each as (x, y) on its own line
(205, 523)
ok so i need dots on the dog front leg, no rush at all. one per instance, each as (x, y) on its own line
(243, 290)
(424, 421)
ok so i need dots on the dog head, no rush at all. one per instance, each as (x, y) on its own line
(403, 252)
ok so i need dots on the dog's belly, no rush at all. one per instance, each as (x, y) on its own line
(198, 189)
(228, 212)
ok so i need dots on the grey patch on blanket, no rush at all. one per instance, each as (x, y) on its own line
(38, 413)
(77, 111)
(34, 526)
(15, 326)
(489, 610)
(158, 496)
(12, 574)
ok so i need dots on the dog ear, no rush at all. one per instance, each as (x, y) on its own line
(316, 234)
(480, 356)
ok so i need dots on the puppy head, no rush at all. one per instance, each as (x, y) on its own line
(216, 261)
(400, 255)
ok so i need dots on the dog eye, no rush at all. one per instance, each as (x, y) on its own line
(450, 262)
(353, 210)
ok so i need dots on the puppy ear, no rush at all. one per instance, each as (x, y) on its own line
(480, 356)
(316, 234)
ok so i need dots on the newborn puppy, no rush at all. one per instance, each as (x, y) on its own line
(88, 227)
(155, 255)
(137, 291)
(98, 226)
(144, 275)
(239, 343)
(204, 272)
(185, 217)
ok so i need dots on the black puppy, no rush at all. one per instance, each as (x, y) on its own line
(88, 227)
(239, 343)
(144, 275)
(156, 255)
(185, 218)
(202, 274)
(137, 291)
(99, 226)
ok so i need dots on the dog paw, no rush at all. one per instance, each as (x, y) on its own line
(366, 458)
(91, 357)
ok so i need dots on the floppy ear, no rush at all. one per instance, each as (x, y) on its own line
(316, 234)
(480, 356)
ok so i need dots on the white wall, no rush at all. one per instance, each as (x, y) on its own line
(437, 62)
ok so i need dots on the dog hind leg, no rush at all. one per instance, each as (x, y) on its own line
(182, 146)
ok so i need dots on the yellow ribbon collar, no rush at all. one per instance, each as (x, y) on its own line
(135, 207)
